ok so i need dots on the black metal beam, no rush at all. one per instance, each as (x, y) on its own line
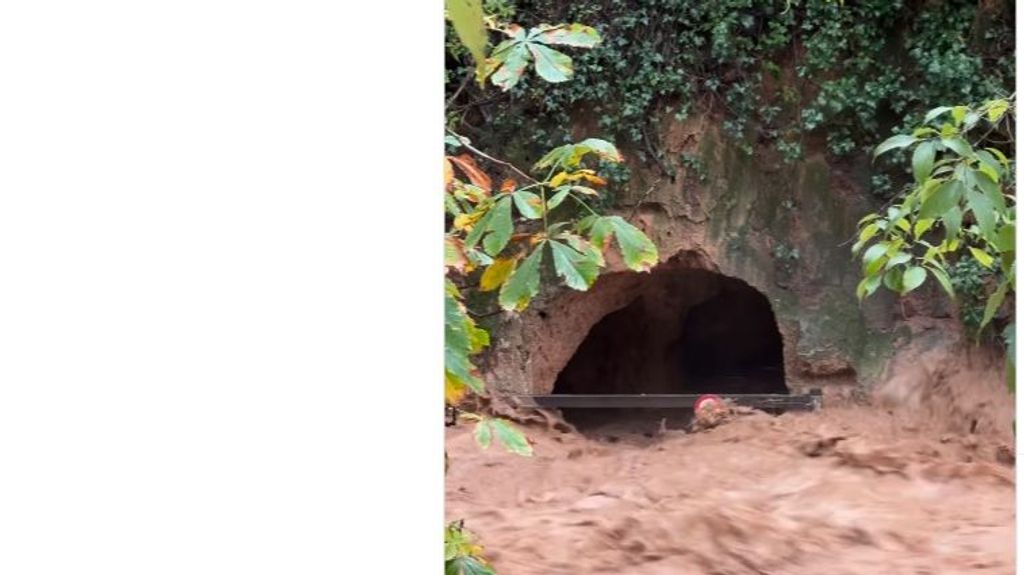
(808, 402)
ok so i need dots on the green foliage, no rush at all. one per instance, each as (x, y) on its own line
(845, 74)
(514, 268)
(496, 229)
(510, 58)
(961, 205)
(881, 186)
(969, 280)
(500, 10)
(785, 253)
(488, 428)
(695, 166)
(523, 283)
(467, 17)
(638, 251)
(461, 555)
(463, 339)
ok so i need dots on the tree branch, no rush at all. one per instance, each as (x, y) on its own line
(636, 206)
(462, 86)
(493, 159)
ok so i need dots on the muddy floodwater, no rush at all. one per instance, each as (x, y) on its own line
(845, 490)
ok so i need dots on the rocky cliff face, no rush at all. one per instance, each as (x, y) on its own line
(783, 229)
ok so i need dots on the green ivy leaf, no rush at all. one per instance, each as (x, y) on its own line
(943, 199)
(578, 270)
(1005, 240)
(984, 214)
(913, 277)
(868, 286)
(897, 259)
(1001, 156)
(996, 109)
(943, 278)
(874, 258)
(869, 231)
(935, 113)
(921, 226)
(868, 218)
(958, 113)
(971, 120)
(893, 279)
(524, 284)
(952, 220)
(958, 145)
(992, 305)
(923, 160)
(982, 257)
(987, 183)
(989, 166)
(895, 142)
(511, 438)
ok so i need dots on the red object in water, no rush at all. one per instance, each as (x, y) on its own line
(707, 400)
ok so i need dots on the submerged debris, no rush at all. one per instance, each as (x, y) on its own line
(712, 413)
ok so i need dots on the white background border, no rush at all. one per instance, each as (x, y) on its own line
(220, 305)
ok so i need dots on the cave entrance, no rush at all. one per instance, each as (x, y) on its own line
(686, 331)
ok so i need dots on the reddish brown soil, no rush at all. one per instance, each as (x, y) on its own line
(847, 490)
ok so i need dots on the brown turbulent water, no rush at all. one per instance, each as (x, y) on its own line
(857, 490)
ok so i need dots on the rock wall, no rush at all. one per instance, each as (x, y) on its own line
(785, 229)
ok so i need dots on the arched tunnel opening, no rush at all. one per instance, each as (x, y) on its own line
(687, 331)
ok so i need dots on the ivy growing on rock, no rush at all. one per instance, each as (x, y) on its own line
(779, 73)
